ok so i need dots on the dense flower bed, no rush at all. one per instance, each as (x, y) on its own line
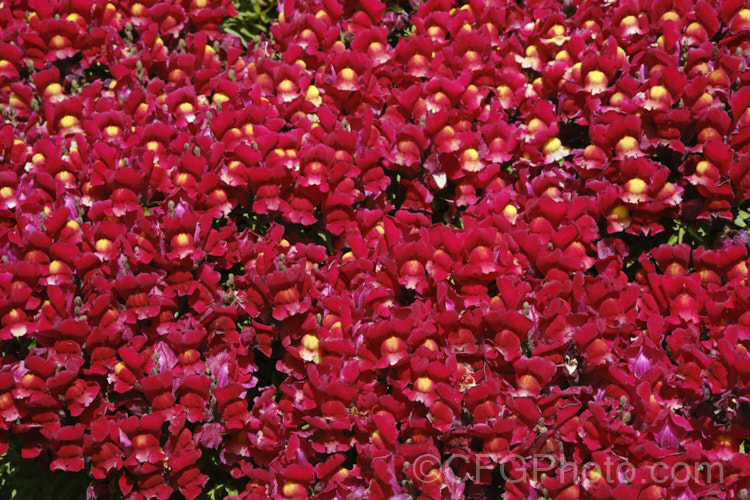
(494, 231)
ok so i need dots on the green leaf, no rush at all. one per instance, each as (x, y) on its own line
(742, 219)
(253, 19)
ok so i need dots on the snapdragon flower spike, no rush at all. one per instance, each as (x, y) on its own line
(69, 449)
(392, 231)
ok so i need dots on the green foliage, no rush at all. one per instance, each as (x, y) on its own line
(743, 218)
(220, 483)
(253, 19)
(221, 491)
(31, 479)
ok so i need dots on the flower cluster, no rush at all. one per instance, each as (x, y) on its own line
(490, 230)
